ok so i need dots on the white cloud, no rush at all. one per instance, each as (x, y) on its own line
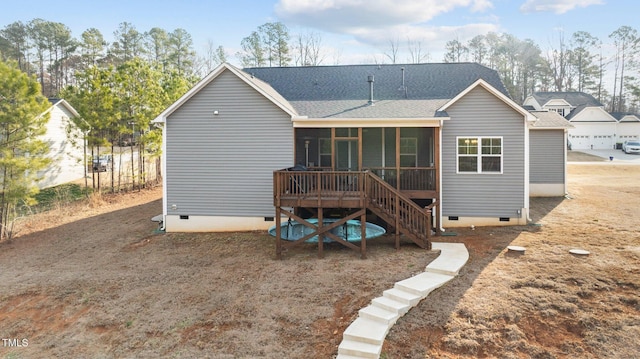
(556, 6)
(344, 15)
(375, 23)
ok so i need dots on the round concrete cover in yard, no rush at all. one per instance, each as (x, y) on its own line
(580, 252)
(516, 249)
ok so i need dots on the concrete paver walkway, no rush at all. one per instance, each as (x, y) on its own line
(365, 336)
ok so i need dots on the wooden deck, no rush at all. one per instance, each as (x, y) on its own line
(358, 191)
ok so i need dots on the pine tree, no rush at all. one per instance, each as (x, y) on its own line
(22, 153)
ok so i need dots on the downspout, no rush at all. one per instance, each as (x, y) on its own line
(527, 179)
(566, 189)
(163, 171)
(440, 174)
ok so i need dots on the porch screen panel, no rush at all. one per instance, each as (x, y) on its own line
(372, 149)
(390, 147)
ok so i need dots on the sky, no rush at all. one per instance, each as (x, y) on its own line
(352, 31)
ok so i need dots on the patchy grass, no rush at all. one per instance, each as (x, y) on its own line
(95, 280)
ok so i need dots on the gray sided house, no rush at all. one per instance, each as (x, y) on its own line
(446, 136)
(548, 154)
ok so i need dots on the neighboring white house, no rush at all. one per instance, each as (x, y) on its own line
(628, 127)
(593, 126)
(66, 146)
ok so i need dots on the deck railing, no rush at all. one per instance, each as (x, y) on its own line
(398, 210)
(410, 179)
(365, 187)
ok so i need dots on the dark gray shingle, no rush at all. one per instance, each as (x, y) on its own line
(349, 82)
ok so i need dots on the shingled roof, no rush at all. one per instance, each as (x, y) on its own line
(575, 99)
(399, 91)
(549, 120)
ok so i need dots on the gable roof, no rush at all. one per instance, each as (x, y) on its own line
(586, 113)
(61, 102)
(501, 96)
(625, 116)
(548, 120)
(574, 98)
(262, 87)
(399, 91)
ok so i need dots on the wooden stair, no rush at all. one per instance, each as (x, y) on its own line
(398, 211)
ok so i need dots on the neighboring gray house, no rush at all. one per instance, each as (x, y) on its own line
(548, 155)
(442, 135)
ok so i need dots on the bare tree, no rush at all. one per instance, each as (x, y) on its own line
(392, 55)
(626, 41)
(308, 49)
(416, 55)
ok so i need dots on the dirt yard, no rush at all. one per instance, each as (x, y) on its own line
(98, 281)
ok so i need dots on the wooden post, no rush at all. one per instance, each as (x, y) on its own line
(278, 234)
(397, 221)
(363, 235)
(359, 148)
(398, 158)
(320, 237)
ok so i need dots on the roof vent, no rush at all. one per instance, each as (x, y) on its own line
(370, 80)
(403, 87)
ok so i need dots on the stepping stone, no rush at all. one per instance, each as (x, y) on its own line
(453, 256)
(366, 331)
(424, 283)
(379, 314)
(359, 349)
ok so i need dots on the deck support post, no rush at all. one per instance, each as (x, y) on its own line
(363, 235)
(278, 234)
(320, 238)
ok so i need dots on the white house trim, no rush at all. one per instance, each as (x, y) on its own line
(300, 122)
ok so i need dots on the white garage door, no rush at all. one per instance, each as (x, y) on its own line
(602, 142)
(580, 142)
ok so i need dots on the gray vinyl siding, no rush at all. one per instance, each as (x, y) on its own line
(480, 113)
(222, 165)
(546, 156)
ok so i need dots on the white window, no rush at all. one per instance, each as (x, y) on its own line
(479, 154)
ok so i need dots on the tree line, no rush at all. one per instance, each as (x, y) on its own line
(579, 63)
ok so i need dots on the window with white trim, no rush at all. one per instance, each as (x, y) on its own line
(479, 154)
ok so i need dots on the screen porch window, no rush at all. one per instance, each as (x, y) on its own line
(324, 152)
(479, 154)
(408, 152)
